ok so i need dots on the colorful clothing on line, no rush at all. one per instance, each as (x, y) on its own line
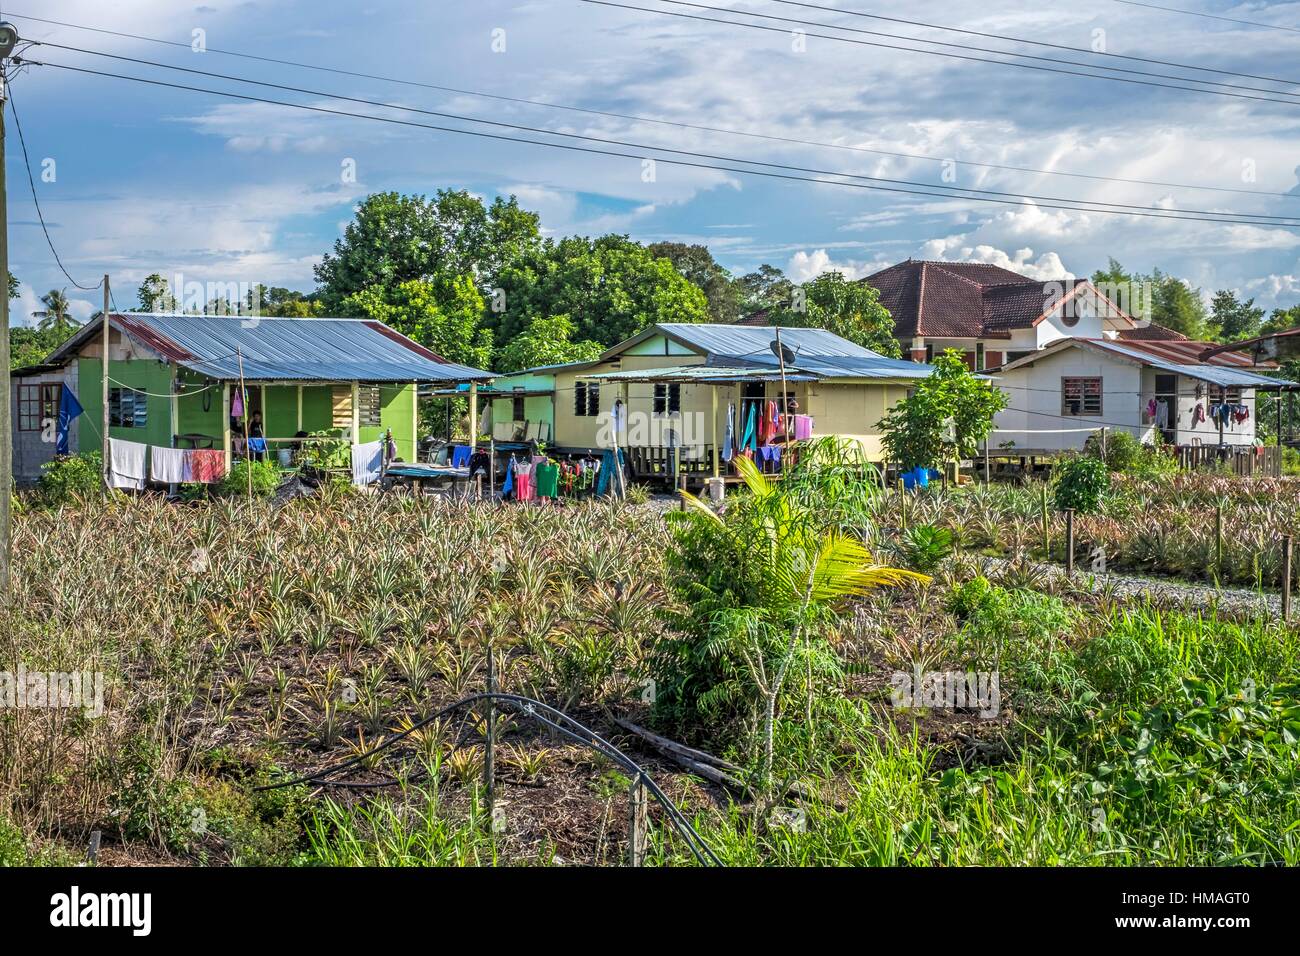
(207, 465)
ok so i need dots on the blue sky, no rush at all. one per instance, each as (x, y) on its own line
(148, 179)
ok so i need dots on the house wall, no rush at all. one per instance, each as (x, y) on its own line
(143, 374)
(537, 408)
(1191, 393)
(1033, 416)
(31, 450)
(396, 412)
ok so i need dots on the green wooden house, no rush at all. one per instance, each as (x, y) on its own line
(173, 379)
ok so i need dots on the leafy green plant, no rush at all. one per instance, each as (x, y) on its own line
(326, 450)
(70, 477)
(1080, 483)
(926, 546)
(265, 479)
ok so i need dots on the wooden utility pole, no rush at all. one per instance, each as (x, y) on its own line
(103, 388)
(6, 427)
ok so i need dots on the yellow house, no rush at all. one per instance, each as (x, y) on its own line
(676, 386)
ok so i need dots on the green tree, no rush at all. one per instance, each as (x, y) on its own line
(155, 296)
(1233, 319)
(612, 288)
(1281, 320)
(444, 316)
(547, 341)
(279, 302)
(30, 346)
(55, 316)
(851, 310)
(946, 417)
(766, 288)
(13, 286)
(395, 239)
(1166, 299)
(697, 264)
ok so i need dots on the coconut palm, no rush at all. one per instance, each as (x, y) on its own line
(55, 317)
(784, 569)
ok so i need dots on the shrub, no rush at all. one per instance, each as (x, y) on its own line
(1128, 456)
(266, 478)
(1080, 484)
(926, 546)
(70, 477)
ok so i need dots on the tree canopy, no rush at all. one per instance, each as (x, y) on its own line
(546, 341)
(852, 310)
(442, 314)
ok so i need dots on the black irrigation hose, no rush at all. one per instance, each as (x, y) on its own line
(530, 707)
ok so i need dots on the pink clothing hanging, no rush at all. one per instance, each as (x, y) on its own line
(803, 427)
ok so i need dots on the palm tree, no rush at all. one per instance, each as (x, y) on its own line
(55, 317)
(787, 571)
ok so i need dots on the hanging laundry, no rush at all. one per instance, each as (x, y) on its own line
(367, 463)
(1162, 414)
(525, 488)
(126, 464)
(548, 480)
(803, 427)
(69, 408)
(237, 404)
(729, 440)
(508, 485)
(749, 438)
(1151, 409)
(1198, 414)
(460, 455)
(170, 466)
(207, 465)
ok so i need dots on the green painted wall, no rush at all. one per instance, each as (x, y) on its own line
(396, 411)
(280, 411)
(317, 408)
(195, 419)
(146, 375)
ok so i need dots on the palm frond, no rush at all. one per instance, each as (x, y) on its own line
(844, 567)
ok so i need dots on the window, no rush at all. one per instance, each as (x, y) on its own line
(929, 354)
(668, 399)
(368, 398)
(517, 412)
(586, 399)
(1081, 396)
(1219, 397)
(37, 404)
(979, 356)
(127, 408)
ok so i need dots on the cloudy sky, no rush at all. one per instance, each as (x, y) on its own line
(135, 179)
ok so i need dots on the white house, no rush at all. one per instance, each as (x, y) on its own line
(1070, 358)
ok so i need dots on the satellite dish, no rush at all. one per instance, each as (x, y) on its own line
(782, 352)
(8, 38)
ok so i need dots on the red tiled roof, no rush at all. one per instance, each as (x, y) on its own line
(1152, 332)
(1187, 352)
(963, 299)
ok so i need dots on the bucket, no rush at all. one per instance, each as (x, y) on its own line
(286, 457)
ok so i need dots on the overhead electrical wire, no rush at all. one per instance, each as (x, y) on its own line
(787, 170)
(665, 122)
(940, 53)
(1039, 43)
(40, 216)
(1209, 16)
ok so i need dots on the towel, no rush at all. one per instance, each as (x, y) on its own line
(207, 465)
(126, 464)
(748, 438)
(729, 442)
(367, 462)
(803, 427)
(170, 466)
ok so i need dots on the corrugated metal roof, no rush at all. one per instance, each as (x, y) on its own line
(1165, 356)
(750, 341)
(705, 373)
(285, 349)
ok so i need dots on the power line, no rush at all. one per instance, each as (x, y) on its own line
(664, 122)
(31, 181)
(1208, 16)
(948, 192)
(1038, 43)
(953, 56)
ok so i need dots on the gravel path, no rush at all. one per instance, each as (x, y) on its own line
(1163, 591)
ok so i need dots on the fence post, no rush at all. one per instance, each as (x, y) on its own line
(489, 740)
(902, 504)
(1069, 542)
(1218, 540)
(1047, 533)
(636, 821)
(987, 479)
(1287, 543)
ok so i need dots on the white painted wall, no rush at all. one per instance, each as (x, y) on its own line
(1033, 417)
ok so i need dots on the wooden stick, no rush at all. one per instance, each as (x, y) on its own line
(636, 821)
(1287, 543)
